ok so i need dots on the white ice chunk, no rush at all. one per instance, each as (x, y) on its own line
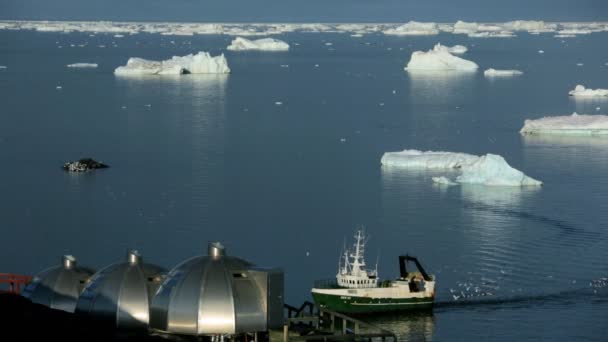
(414, 28)
(3, 67)
(82, 65)
(574, 124)
(438, 59)
(443, 181)
(490, 169)
(456, 49)
(415, 159)
(501, 73)
(581, 91)
(264, 44)
(493, 170)
(201, 63)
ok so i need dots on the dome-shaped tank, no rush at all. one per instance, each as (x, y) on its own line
(58, 287)
(218, 294)
(120, 293)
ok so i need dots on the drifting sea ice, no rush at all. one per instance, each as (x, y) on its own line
(438, 59)
(82, 65)
(413, 28)
(574, 124)
(501, 73)
(201, 63)
(581, 91)
(456, 49)
(490, 169)
(264, 44)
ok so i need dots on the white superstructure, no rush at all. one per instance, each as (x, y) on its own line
(352, 271)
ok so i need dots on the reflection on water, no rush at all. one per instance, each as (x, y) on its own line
(440, 87)
(559, 141)
(590, 105)
(409, 327)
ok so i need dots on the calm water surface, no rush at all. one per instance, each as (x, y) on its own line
(199, 158)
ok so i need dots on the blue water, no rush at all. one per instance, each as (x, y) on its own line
(201, 158)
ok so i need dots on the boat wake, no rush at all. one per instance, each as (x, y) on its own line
(596, 292)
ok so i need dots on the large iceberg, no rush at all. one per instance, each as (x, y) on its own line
(489, 169)
(574, 124)
(264, 44)
(201, 63)
(414, 28)
(501, 73)
(438, 58)
(581, 91)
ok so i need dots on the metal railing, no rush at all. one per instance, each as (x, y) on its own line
(13, 282)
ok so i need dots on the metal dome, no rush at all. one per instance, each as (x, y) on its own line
(58, 287)
(120, 293)
(218, 294)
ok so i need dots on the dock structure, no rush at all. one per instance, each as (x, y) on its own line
(311, 323)
(12, 283)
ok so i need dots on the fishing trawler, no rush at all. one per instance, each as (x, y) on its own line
(358, 290)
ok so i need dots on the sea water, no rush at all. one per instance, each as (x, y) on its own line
(280, 161)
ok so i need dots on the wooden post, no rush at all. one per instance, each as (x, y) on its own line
(333, 323)
(344, 326)
(356, 328)
(285, 333)
(255, 336)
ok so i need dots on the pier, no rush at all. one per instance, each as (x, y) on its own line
(311, 323)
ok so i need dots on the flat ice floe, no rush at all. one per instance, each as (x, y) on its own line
(581, 91)
(456, 49)
(264, 44)
(82, 65)
(413, 28)
(438, 59)
(489, 169)
(501, 73)
(201, 63)
(574, 124)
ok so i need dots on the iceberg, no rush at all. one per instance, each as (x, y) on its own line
(413, 28)
(264, 44)
(438, 59)
(489, 169)
(415, 159)
(201, 63)
(493, 170)
(581, 91)
(501, 73)
(82, 65)
(574, 124)
(456, 49)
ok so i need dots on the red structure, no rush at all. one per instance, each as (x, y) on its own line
(13, 282)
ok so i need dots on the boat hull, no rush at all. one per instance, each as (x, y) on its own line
(363, 305)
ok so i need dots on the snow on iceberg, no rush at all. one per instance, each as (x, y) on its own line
(493, 170)
(501, 73)
(438, 59)
(82, 65)
(264, 44)
(414, 28)
(574, 124)
(201, 63)
(489, 169)
(581, 91)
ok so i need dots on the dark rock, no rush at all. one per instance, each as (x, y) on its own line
(83, 165)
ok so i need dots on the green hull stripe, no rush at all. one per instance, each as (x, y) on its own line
(353, 304)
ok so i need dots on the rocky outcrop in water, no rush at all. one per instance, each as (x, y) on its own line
(83, 165)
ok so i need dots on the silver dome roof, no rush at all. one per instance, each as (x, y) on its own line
(58, 287)
(121, 292)
(214, 294)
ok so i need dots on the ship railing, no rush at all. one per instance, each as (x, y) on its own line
(327, 284)
(14, 282)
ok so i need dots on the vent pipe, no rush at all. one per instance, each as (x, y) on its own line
(68, 262)
(133, 257)
(216, 250)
